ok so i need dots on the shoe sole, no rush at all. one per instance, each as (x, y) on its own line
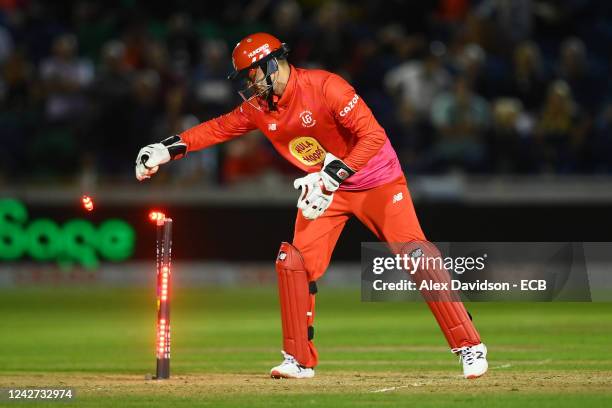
(474, 376)
(277, 375)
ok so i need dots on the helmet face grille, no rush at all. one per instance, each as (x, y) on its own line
(251, 89)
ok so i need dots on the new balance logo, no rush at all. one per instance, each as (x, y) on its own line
(271, 126)
(397, 197)
(417, 253)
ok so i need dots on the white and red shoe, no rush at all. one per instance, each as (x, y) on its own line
(474, 359)
(291, 369)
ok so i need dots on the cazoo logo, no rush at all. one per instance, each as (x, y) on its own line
(350, 105)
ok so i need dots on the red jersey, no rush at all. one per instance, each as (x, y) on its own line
(318, 112)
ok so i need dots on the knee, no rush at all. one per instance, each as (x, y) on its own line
(290, 258)
(296, 259)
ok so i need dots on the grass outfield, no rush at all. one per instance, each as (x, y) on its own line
(224, 342)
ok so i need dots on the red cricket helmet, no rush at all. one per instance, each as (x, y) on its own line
(255, 50)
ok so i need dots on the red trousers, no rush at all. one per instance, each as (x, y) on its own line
(388, 212)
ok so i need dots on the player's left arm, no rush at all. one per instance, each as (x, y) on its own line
(351, 112)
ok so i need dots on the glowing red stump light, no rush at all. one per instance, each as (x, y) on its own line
(87, 203)
(163, 270)
(157, 216)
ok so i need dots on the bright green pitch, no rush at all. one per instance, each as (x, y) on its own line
(101, 342)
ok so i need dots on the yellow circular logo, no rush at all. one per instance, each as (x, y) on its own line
(307, 150)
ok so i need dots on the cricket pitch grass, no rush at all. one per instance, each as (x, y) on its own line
(100, 342)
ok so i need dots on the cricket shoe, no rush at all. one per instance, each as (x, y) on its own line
(291, 369)
(474, 359)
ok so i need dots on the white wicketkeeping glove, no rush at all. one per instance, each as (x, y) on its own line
(313, 201)
(152, 156)
(318, 188)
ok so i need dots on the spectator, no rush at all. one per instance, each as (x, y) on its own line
(212, 92)
(144, 112)
(410, 136)
(510, 139)
(461, 118)
(182, 43)
(6, 44)
(157, 59)
(17, 116)
(471, 62)
(108, 116)
(528, 81)
(560, 131)
(287, 24)
(601, 151)
(16, 80)
(513, 20)
(417, 83)
(171, 121)
(574, 69)
(65, 78)
(331, 37)
(135, 38)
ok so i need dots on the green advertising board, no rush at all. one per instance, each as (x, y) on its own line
(75, 241)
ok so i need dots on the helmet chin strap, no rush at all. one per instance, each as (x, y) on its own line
(270, 97)
(270, 93)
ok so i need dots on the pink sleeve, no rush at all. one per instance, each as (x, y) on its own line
(353, 114)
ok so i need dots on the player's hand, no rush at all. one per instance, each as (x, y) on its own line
(333, 173)
(149, 159)
(318, 188)
(313, 201)
(152, 156)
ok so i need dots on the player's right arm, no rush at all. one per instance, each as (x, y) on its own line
(206, 134)
(217, 130)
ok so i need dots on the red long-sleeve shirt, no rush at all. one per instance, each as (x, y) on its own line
(318, 112)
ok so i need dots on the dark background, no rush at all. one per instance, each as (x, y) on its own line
(471, 86)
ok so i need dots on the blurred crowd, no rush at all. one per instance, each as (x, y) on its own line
(489, 86)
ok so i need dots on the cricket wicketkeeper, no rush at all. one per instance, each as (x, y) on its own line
(315, 120)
